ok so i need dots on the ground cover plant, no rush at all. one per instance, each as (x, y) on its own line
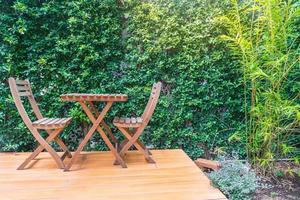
(236, 179)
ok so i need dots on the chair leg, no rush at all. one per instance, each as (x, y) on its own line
(64, 155)
(123, 143)
(110, 146)
(119, 148)
(31, 157)
(143, 146)
(50, 150)
(63, 146)
(132, 140)
(40, 148)
(139, 142)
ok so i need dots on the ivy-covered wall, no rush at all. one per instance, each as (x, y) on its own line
(110, 47)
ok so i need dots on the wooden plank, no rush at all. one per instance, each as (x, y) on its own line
(175, 176)
(23, 88)
(52, 121)
(49, 123)
(122, 120)
(133, 120)
(116, 119)
(210, 164)
(40, 121)
(66, 120)
(60, 121)
(93, 97)
(21, 82)
(21, 94)
(46, 121)
(139, 120)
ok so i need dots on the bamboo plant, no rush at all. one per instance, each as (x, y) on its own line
(261, 33)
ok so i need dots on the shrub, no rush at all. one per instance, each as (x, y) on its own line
(100, 46)
(235, 179)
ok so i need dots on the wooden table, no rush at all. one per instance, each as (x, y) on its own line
(86, 102)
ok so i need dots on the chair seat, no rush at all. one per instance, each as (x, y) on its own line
(128, 121)
(51, 123)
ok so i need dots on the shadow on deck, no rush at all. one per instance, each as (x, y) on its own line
(174, 176)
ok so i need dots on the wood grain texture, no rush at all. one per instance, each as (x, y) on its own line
(174, 177)
(90, 133)
(210, 164)
(93, 97)
(128, 122)
(16, 94)
(139, 124)
(51, 123)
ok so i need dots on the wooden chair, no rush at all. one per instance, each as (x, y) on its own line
(133, 127)
(53, 126)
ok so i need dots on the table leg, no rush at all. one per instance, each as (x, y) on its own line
(88, 135)
(111, 147)
(103, 124)
(102, 133)
(106, 127)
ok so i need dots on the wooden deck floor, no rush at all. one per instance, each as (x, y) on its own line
(174, 176)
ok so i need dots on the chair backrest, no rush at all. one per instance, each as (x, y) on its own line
(21, 88)
(148, 112)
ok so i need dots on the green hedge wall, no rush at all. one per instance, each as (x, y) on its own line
(109, 47)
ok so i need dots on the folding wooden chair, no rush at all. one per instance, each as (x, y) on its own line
(53, 126)
(133, 127)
